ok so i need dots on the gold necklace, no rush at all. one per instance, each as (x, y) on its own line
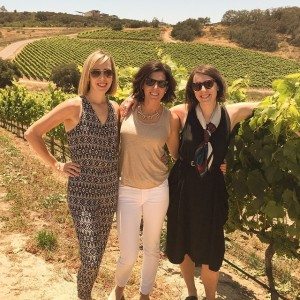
(146, 117)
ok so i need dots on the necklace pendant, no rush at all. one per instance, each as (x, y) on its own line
(144, 116)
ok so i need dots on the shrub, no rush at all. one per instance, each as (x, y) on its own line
(254, 37)
(188, 29)
(8, 72)
(117, 25)
(136, 24)
(183, 33)
(296, 38)
(66, 76)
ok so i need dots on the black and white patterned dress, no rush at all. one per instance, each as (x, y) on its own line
(92, 196)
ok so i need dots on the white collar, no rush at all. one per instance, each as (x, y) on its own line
(215, 117)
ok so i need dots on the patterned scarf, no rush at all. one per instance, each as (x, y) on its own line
(204, 153)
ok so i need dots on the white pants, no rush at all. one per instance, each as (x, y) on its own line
(152, 205)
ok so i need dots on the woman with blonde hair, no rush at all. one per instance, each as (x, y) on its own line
(91, 124)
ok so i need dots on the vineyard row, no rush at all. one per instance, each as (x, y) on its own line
(39, 58)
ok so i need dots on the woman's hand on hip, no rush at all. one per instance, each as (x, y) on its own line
(223, 167)
(69, 169)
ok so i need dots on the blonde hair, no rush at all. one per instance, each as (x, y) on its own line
(97, 56)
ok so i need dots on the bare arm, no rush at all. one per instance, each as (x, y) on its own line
(68, 113)
(240, 111)
(181, 111)
(173, 139)
(128, 104)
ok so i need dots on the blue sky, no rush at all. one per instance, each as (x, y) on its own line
(170, 11)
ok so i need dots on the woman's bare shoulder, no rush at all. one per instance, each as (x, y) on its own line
(179, 108)
(74, 102)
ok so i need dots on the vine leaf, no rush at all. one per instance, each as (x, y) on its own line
(273, 210)
(256, 183)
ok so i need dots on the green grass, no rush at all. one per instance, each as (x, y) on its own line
(52, 201)
(46, 240)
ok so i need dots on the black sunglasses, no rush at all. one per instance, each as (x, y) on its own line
(95, 73)
(208, 84)
(151, 82)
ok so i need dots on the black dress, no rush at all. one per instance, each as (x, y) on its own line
(198, 206)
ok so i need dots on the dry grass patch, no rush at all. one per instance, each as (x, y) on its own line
(34, 201)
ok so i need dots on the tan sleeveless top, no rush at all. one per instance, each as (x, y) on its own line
(142, 149)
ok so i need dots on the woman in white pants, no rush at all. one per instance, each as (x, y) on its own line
(144, 192)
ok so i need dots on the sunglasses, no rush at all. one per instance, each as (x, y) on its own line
(208, 84)
(161, 83)
(95, 73)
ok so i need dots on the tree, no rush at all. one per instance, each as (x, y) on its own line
(204, 21)
(66, 76)
(296, 38)
(135, 23)
(257, 36)
(188, 29)
(155, 23)
(41, 16)
(8, 72)
(117, 25)
(183, 32)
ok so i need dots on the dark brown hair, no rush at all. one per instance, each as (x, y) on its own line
(144, 72)
(210, 71)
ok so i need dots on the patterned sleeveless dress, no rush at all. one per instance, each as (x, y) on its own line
(198, 205)
(92, 196)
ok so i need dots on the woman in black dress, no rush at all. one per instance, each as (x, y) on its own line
(198, 198)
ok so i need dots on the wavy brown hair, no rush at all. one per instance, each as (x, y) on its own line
(210, 71)
(144, 72)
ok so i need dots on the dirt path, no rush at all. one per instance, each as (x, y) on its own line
(166, 36)
(10, 51)
(13, 49)
(24, 275)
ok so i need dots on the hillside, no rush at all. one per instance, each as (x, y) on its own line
(214, 34)
(273, 29)
(234, 63)
(217, 34)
